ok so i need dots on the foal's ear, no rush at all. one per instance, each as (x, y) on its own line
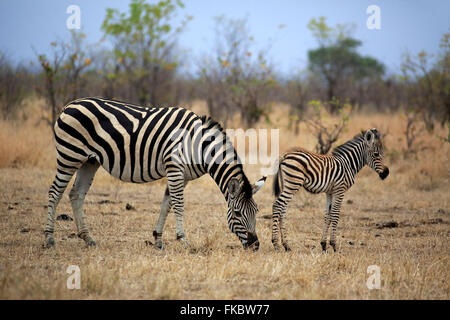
(369, 135)
(258, 185)
(234, 187)
(375, 132)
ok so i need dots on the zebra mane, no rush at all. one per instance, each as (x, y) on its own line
(247, 187)
(343, 146)
(210, 123)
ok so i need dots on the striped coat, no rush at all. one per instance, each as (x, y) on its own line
(332, 174)
(143, 144)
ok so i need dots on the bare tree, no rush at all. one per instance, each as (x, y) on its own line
(413, 129)
(235, 78)
(327, 135)
(427, 86)
(12, 88)
(62, 72)
(298, 94)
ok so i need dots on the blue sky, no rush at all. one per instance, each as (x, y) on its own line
(405, 26)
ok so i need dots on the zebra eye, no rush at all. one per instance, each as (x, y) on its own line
(376, 154)
(237, 214)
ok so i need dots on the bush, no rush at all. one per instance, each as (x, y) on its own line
(12, 88)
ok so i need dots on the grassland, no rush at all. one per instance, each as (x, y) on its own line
(413, 256)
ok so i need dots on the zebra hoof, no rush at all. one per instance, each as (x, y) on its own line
(324, 246)
(91, 243)
(333, 245)
(49, 242)
(158, 242)
(286, 247)
(183, 240)
(277, 247)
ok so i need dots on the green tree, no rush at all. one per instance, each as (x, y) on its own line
(337, 61)
(144, 41)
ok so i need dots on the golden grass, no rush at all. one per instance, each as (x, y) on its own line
(413, 258)
(27, 142)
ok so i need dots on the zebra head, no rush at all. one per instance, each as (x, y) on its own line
(375, 153)
(242, 210)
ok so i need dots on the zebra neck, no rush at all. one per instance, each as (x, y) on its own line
(352, 155)
(220, 159)
(222, 174)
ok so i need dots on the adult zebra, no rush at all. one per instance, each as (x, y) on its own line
(139, 144)
(333, 174)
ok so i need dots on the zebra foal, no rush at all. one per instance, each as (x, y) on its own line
(141, 144)
(332, 174)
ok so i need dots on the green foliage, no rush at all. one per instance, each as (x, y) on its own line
(320, 30)
(143, 43)
(337, 60)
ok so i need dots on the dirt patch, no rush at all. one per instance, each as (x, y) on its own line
(395, 224)
(64, 217)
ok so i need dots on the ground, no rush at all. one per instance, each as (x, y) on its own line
(400, 224)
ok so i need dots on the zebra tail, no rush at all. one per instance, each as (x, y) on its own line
(276, 180)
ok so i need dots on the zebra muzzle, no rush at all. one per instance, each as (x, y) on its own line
(383, 175)
(252, 241)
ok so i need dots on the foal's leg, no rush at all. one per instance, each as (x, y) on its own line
(334, 217)
(278, 219)
(326, 225)
(290, 186)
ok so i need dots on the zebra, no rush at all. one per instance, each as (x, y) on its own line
(141, 144)
(332, 174)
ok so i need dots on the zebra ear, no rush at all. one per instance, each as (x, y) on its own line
(368, 136)
(234, 187)
(258, 185)
(375, 132)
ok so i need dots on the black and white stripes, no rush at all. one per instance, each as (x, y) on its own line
(332, 174)
(142, 144)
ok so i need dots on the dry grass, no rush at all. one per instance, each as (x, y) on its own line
(413, 258)
(27, 142)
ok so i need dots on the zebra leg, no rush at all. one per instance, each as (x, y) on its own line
(278, 215)
(283, 230)
(63, 176)
(326, 225)
(292, 182)
(334, 217)
(165, 208)
(83, 181)
(176, 183)
(277, 207)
